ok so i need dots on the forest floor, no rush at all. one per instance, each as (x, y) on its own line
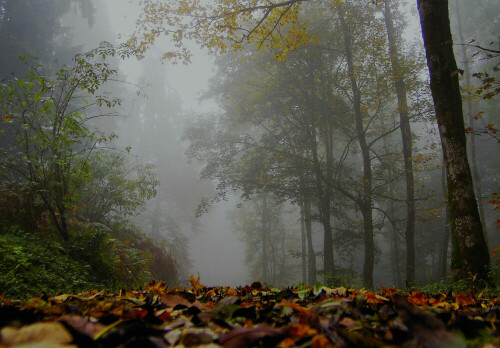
(252, 316)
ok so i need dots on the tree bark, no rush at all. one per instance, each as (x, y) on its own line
(324, 194)
(465, 222)
(155, 223)
(366, 199)
(303, 256)
(264, 227)
(406, 137)
(446, 230)
(476, 176)
(324, 199)
(393, 234)
(311, 257)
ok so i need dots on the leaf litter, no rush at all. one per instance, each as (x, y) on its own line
(251, 316)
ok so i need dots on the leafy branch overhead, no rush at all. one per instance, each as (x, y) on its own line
(49, 137)
(221, 26)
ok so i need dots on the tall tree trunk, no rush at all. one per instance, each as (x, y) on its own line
(264, 228)
(155, 221)
(366, 200)
(395, 256)
(64, 223)
(476, 176)
(303, 256)
(406, 137)
(60, 189)
(393, 235)
(446, 229)
(324, 199)
(2, 14)
(311, 256)
(272, 258)
(465, 222)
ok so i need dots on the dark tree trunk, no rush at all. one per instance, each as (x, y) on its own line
(366, 200)
(324, 200)
(64, 223)
(60, 223)
(393, 234)
(465, 222)
(400, 87)
(264, 228)
(446, 230)
(476, 176)
(303, 256)
(395, 257)
(155, 223)
(324, 214)
(311, 257)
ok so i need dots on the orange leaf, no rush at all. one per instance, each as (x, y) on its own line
(300, 330)
(295, 306)
(418, 298)
(321, 341)
(287, 342)
(195, 283)
(232, 292)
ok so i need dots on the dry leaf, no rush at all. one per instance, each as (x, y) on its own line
(46, 333)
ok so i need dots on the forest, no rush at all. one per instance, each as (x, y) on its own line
(308, 148)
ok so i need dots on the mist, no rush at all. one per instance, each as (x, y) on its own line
(253, 165)
(213, 250)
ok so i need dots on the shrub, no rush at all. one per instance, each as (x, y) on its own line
(30, 266)
(159, 263)
(91, 245)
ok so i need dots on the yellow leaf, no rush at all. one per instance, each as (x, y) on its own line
(6, 118)
(195, 283)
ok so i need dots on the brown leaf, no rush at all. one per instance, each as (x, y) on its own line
(38, 333)
(427, 329)
(243, 337)
(174, 300)
(197, 336)
(83, 325)
(348, 322)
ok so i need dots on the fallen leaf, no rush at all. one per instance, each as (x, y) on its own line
(321, 341)
(38, 333)
(301, 330)
(82, 325)
(243, 337)
(348, 322)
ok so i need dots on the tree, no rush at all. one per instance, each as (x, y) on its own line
(51, 140)
(34, 28)
(470, 255)
(400, 88)
(260, 224)
(223, 25)
(114, 189)
(365, 201)
(261, 142)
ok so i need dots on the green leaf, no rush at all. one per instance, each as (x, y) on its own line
(317, 288)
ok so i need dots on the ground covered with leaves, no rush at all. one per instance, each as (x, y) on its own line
(252, 316)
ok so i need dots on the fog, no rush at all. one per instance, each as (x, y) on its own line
(229, 136)
(215, 252)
